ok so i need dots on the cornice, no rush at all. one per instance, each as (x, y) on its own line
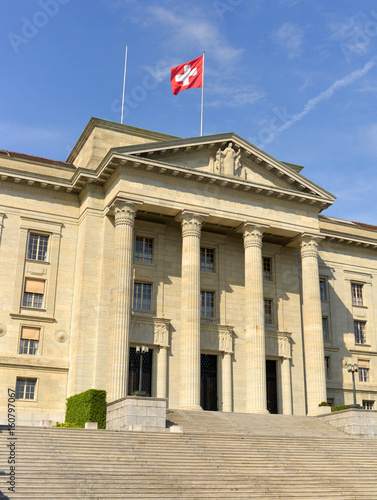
(349, 240)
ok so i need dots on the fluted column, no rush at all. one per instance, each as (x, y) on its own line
(286, 390)
(190, 312)
(162, 369)
(227, 381)
(120, 318)
(312, 325)
(256, 398)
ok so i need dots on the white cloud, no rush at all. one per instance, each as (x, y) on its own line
(290, 37)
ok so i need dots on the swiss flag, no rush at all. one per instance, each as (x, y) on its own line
(187, 76)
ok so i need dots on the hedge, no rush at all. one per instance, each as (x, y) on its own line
(88, 406)
(339, 408)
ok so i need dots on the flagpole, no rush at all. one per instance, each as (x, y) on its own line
(124, 83)
(201, 119)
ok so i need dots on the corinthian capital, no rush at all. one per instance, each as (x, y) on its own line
(191, 223)
(252, 236)
(124, 212)
(309, 246)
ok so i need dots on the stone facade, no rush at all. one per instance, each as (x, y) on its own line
(207, 250)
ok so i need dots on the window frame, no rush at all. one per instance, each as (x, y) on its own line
(29, 246)
(204, 294)
(268, 303)
(29, 347)
(327, 367)
(143, 255)
(364, 375)
(142, 298)
(324, 295)
(204, 264)
(368, 402)
(269, 279)
(360, 333)
(325, 329)
(24, 392)
(357, 294)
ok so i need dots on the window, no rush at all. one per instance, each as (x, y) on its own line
(29, 340)
(368, 405)
(37, 247)
(325, 329)
(267, 269)
(207, 304)
(363, 370)
(33, 293)
(268, 311)
(322, 289)
(359, 327)
(25, 388)
(330, 401)
(143, 296)
(327, 367)
(357, 294)
(207, 260)
(144, 250)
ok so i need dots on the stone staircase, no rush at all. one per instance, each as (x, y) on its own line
(218, 456)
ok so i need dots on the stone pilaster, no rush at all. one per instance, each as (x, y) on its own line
(227, 381)
(312, 325)
(162, 371)
(286, 385)
(120, 318)
(256, 398)
(190, 312)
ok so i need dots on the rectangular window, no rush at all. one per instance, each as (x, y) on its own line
(267, 269)
(207, 304)
(325, 329)
(357, 294)
(29, 340)
(143, 296)
(25, 388)
(144, 250)
(268, 311)
(359, 327)
(327, 367)
(33, 293)
(37, 247)
(322, 289)
(363, 370)
(368, 405)
(207, 260)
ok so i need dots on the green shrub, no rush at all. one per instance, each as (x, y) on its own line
(67, 424)
(339, 408)
(88, 406)
(324, 404)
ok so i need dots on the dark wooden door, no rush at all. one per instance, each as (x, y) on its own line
(208, 392)
(134, 371)
(272, 393)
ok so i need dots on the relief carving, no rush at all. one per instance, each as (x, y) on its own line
(228, 162)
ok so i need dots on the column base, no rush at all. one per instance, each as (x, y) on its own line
(191, 408)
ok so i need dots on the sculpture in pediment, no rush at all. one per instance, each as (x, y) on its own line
(228, 162)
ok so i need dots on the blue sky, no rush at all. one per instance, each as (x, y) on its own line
(296, 78)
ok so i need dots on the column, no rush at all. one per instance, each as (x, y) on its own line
(312, 325)
(286, 386)
(120, 318)
(162, 369)
(190, 312)
(227, 381)
(256, 397)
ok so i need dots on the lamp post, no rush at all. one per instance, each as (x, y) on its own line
(353, 368)
(142, 349)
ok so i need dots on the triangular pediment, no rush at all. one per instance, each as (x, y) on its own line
(230, 157)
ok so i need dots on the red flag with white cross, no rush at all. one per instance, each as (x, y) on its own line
(187, 76)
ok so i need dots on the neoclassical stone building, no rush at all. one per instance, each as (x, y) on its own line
(206, 250)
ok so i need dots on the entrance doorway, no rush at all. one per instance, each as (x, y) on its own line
(208, 382)
(272, 393)
(134, 371)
